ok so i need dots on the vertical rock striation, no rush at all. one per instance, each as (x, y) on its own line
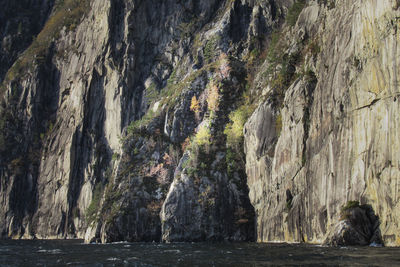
(123, 120)
(70, 165)
(339, 135)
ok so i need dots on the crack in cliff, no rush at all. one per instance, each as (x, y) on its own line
(297, 172)
(309, 96)
(373, 102)
(376, 100)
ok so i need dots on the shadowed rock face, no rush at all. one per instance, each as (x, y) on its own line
(200, 120)
(359, 227)
(70, 165)
(20, 21)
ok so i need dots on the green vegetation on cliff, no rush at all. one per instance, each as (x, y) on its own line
(66, 16)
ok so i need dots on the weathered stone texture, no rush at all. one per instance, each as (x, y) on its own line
(339, 143)
(98, 130)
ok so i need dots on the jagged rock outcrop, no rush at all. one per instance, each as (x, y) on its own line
(358, 226)
(205, 200)
(147, 120)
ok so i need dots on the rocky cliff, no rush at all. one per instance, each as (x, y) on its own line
(171, 120)
(337, 135)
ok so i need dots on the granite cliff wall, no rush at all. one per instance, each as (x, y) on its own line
(337, 133)
(189, 121)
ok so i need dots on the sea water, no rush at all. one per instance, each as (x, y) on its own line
(76, 253)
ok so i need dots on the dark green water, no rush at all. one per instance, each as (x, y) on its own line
(75, 253)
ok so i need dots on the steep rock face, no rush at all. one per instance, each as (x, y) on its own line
(339, 135)
(123, 120)
(153, 145)
(205, 202)
(208, 197)
(63, 145)
(97, 114)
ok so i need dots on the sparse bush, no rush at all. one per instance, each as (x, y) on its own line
(282, 70)
(187, 29)
(294, 12)
(278, 124)
(115, 156)
(309, 76)
(185, 144)
(314, 47)
(345, 210)
(136, 126)
(234, 129)
(279, 85)
(151, 93)
(191, 171)
(231, 161)
(350, 205)
(234, 138)
(172, 78)
(209, 48)
(213, 97)
(203, 136)
(91, 212)
(66, 13)
(194, 105)
(273, 47)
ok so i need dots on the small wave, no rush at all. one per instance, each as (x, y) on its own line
(120, 242)
(50, 251)
(375, 245)
(112, 259)
(173, 250)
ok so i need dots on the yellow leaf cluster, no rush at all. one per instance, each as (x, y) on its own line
(234, 129)
(213, 98)
(195, 106)
(203, 136)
